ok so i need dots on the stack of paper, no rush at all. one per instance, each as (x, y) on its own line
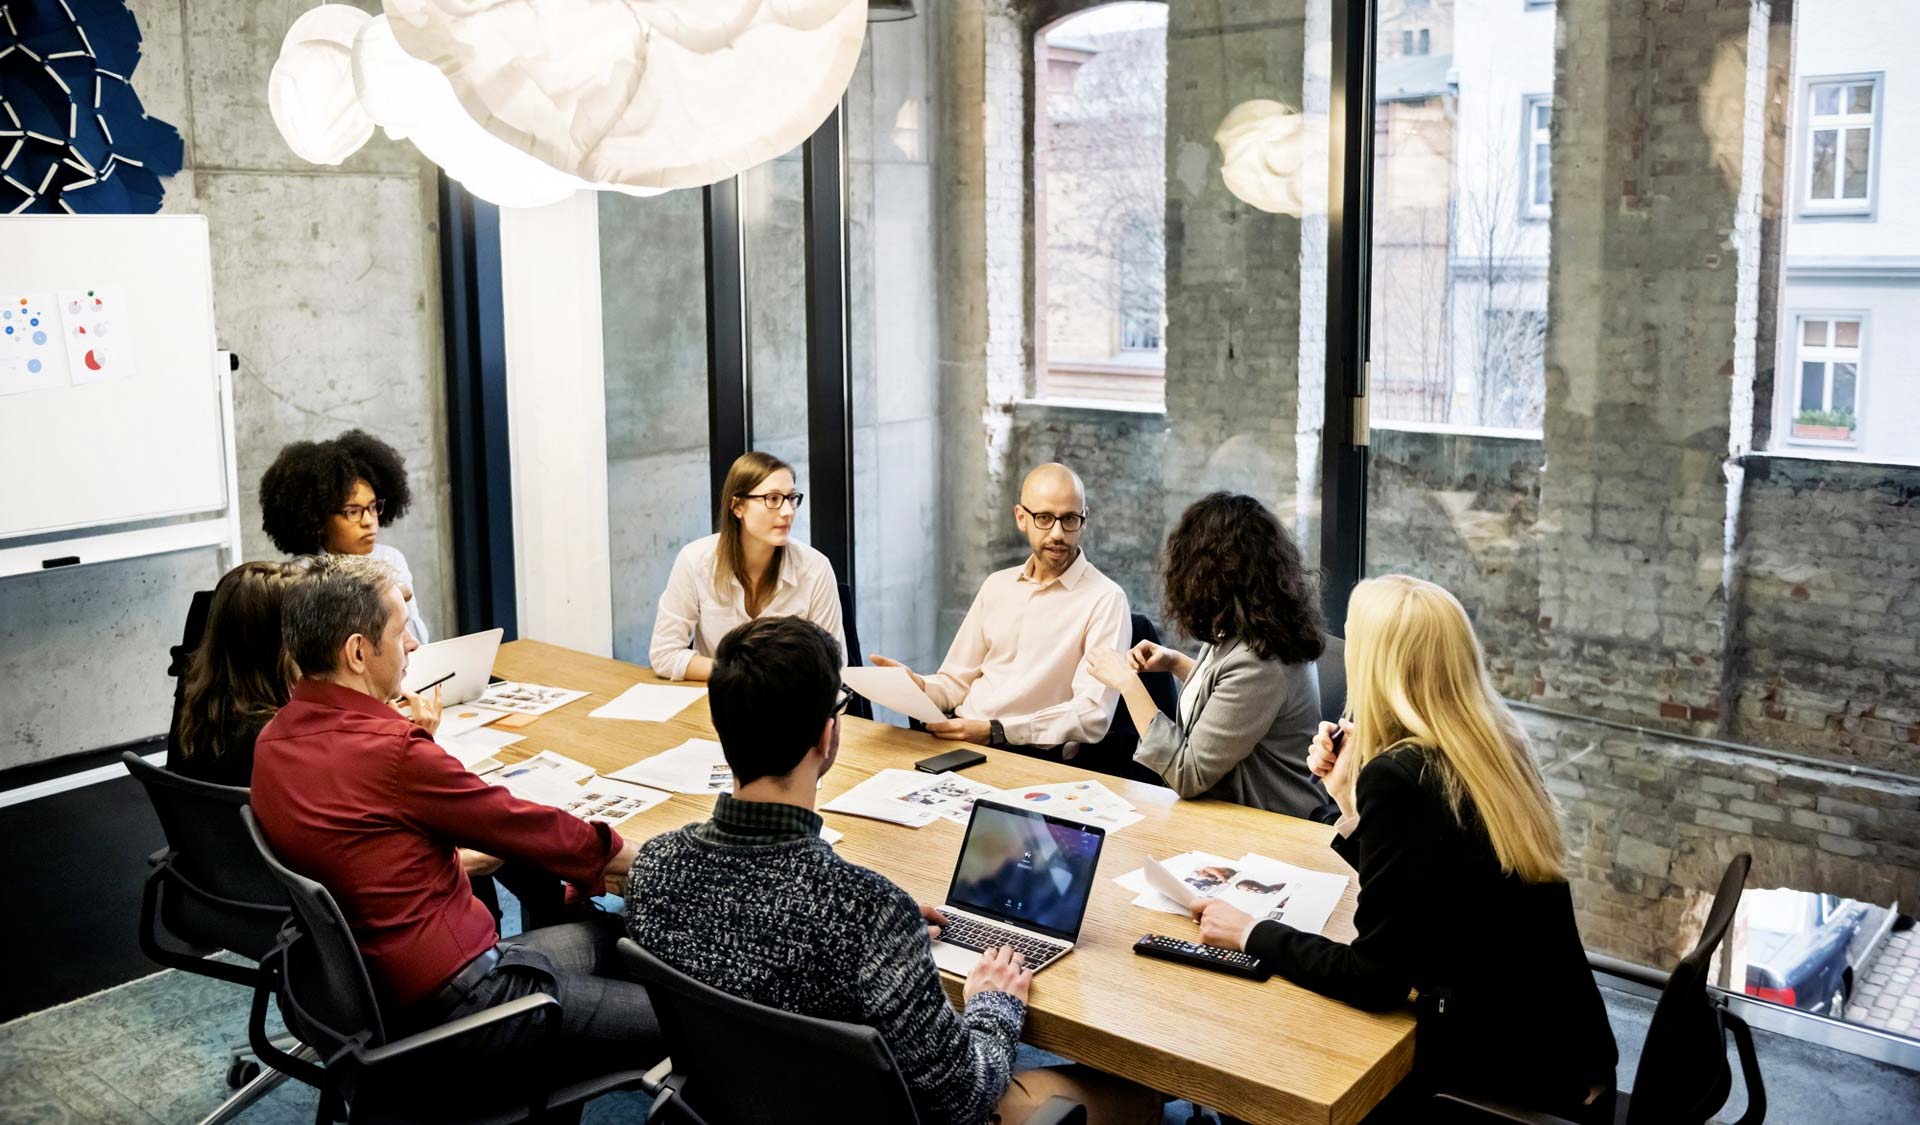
(525, 699)
(695, 766)
(546, 778)
(908, 797)
(1086, 801)
(649, 703)
(1264, 888)
(610, 802)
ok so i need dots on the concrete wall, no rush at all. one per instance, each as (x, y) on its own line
(326, 285)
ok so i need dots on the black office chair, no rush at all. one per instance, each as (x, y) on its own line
(860, 707)
(208, 891)
(1113, 755)
(1683, 1077)
(327, 1000)
(805, 1070)
(1331, 670)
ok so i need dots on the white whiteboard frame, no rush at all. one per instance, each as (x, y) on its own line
(102, 544)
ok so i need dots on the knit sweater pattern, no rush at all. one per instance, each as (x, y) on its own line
(776, 917)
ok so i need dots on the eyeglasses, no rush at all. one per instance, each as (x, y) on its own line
(354, 513)
(840, 704)
(775, 500)
(1072, 521)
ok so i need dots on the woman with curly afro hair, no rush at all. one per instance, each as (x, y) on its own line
(333, 497)
(1250, 703)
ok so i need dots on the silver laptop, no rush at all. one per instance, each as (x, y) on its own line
(469, 658)
(1023, 879)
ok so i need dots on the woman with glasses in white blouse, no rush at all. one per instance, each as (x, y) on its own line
(751, 568)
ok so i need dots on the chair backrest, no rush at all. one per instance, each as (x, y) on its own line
(1331, 670)
(1683, 1075)
(798, 1069)
(326, 995)
(214, 890)
(860, 708)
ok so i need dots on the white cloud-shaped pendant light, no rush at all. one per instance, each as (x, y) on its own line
(1262, 155)
(310, 92)
(641, 93)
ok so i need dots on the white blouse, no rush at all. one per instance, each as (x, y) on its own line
(416, 624)
(700, 606)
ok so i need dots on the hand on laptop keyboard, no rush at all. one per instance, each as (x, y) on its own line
(1000, 970)
(970, 934)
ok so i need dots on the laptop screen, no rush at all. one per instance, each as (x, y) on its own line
(1026, 868)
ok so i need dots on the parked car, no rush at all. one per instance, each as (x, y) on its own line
(1799, 948)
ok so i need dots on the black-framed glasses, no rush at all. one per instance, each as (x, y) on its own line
(840, 705)
(775, 500)
(1072, 521)
(354, 513)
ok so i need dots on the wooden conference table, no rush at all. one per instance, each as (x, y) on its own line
(1268, 1052)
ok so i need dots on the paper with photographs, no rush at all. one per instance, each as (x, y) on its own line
(607, 801)
(461, 718)
(526, 699)
(898, 796)
(537, 779)
(1263, 887)
(697, 765)
(475, 745)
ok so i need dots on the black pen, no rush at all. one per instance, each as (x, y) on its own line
(429, 687)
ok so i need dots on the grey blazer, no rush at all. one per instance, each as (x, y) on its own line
(1246, 741)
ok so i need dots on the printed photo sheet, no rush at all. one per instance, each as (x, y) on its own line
(695, 766)
(1263, 887)
(526, 699)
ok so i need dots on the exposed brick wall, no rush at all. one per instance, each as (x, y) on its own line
(1462, 510)
(1829, 614)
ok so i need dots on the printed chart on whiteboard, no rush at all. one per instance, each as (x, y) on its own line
(70, 338)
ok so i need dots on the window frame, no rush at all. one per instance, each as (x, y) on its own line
(1806, 205)
(1792, 401)
(1530, 135)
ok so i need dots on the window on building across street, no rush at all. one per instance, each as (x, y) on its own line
(1426, 40)
(1826, 404)
(1100, 276)
(1539, 159)
(1840, 141)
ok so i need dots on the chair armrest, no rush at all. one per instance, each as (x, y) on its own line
(159, 857)
(1057, 1110)
(454, 1029)
(1496, 1111)
(1627, 970)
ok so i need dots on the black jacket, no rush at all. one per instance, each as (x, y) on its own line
(1507, 1003)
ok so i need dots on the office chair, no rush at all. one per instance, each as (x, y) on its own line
(209, 891)
(1331, 671)
(1683, 1077)
(860, 707)
(805, 1070)
(1113, 755)
(327, 1000)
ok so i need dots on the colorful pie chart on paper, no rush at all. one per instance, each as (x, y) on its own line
(1037, 797)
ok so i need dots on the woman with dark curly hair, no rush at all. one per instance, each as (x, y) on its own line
(334, 497)
(1251, 701)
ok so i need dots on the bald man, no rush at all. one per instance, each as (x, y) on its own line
(1016, 676)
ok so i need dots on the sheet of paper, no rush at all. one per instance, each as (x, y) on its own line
(896, 796)
(476, 744)
(99, 333)
(1203, 873)
(33, 350)
(892, 687)
(608, 801)
(541, 789)
(527, 699)
(831, 835)
(458, 720)
(1168, 884)
(697, 765)
(1263, 887)
(649, 703)
(1086, 801)
(545, 766)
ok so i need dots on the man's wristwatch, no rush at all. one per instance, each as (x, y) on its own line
(996, 734)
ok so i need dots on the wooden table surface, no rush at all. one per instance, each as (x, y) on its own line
(1269, 1052)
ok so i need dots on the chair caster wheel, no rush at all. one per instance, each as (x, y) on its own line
(240, 1072)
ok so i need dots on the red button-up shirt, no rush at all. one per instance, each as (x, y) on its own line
(353, 795)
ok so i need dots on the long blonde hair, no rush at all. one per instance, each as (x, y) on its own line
(748, 471)
(1416, 676)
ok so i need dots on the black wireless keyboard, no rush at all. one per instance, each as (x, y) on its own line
(1230, 961)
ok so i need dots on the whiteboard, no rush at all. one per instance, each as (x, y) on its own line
(117, 418)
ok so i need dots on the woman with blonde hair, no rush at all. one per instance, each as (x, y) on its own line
(751, 568)
(1463, 876)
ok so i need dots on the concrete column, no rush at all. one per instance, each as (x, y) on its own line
(1653, 302)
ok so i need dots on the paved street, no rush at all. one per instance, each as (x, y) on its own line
(1889, 997)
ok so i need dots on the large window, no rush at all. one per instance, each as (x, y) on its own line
(1830, 373)
(1840, 145)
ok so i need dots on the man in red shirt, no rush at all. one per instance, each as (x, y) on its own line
(361, 799)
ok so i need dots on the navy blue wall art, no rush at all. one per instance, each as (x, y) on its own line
(74, 138)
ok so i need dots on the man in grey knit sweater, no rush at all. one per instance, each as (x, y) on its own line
(755, 903)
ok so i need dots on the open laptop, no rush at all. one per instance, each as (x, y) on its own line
(469, 658)
(1023, 879)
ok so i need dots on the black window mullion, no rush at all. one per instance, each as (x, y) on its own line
(829, 385)
(729, 376)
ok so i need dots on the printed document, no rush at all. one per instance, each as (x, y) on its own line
(697, 765)
(649, 703)
(892, 687)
